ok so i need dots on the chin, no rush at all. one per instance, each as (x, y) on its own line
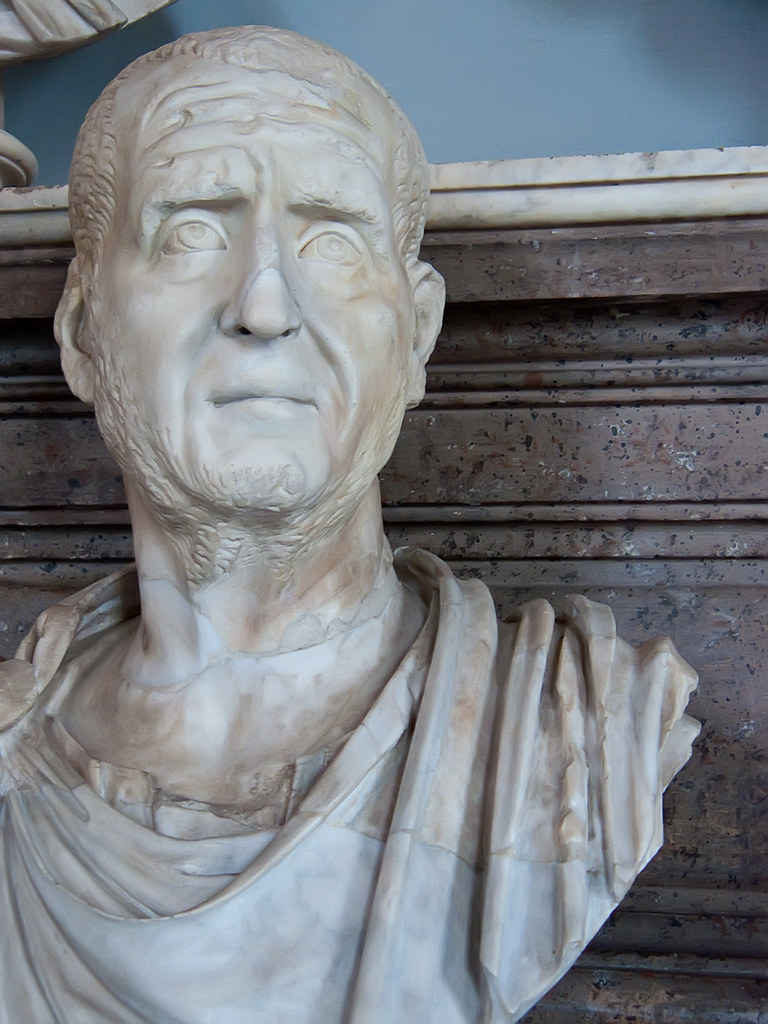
(277, 487)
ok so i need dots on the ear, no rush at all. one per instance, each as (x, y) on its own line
(429, 301)
(68, 327)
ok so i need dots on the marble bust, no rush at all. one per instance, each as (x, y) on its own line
(273, 773)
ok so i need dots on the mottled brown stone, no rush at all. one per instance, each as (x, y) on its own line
(596, 421)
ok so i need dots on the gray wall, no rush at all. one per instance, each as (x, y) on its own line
(481, 80)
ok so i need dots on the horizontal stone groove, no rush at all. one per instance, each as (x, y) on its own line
(102, 546)
(472, 541)
(58, 403)
(673, 511)
(530, 573)
(586, 512)
(55, 575)
(670, 370)
(674, 963)
(693, 934)
(599, 372)
(45, 410)
(38, 255)
(578, 329)
(696, 900)
(68, 516)
(669, 541)
(616, 574)
(525, 331)
(681, 395)
(12, 385)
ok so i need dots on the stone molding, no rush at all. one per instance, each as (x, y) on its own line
(546, 192)
(629, 187)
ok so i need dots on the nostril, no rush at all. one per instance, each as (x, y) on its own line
(288, 333)
(242, 331)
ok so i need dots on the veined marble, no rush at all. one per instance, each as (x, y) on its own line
(557, 191)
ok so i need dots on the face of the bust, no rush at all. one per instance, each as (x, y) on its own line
(252, 310)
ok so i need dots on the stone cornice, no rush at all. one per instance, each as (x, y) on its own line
(507, 194)
(630, 187)
(34, 216)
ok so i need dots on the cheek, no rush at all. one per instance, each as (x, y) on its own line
(144, 297)
(370, 320)
(157, 323)
(152, 307)
(325, 291)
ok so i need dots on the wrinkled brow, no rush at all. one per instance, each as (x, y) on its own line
(217, 101)
(316, 204)
(164, 201)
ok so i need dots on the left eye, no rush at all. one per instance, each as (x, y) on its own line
(332, 248)
(192, 236)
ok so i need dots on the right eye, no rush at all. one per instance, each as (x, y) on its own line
(192, 236)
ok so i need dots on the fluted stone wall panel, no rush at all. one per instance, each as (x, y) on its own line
(596, 421)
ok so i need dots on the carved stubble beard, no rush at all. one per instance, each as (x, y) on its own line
(213, 518)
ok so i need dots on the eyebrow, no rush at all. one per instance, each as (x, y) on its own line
(165, 200)
(317, 205)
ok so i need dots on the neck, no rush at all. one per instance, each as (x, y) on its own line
(257, 590)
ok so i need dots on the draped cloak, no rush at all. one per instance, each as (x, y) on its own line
(448, 865)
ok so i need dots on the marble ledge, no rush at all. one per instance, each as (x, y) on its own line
(614, 188)
(498, 194)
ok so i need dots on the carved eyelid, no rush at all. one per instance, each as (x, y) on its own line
(188, 216)
(331, 229)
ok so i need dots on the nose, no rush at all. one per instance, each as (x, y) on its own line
(264, 308)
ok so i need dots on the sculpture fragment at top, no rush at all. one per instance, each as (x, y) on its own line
(273, 773)
(42, 28)
(32, 29)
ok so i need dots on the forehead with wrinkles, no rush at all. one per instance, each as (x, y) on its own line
(210, 108)
(234, 83)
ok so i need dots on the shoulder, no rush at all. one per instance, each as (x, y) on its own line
(592, 626)
(26, 676)
(575, 665)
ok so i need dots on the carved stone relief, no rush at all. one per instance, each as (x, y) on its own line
(31, 29)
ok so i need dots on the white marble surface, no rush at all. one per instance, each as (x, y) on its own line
(615, 168)
(272, 774)
(558, 191)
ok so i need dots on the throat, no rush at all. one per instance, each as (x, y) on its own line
(261, 594)
(249, 734)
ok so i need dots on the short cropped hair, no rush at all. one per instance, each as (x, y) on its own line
(253, 48)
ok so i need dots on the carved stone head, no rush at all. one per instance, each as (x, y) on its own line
(247, 310)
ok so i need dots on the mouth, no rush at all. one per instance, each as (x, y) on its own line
(260, 405)
(220, 399)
